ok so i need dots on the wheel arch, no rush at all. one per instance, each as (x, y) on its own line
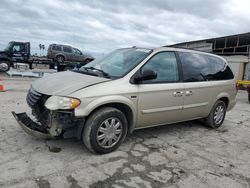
(125, 106)
(60, 55)
(6, 59)
(87, 60)
(223, 97)
(225, 100)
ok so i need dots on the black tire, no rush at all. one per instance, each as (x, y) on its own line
(60, 59)
(67, 68)
(95, 122)
(249, 97)
(51, 66)
(60, 68)
(5, 66)
(220, 108)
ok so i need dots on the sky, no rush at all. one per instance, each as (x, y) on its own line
(104, 25)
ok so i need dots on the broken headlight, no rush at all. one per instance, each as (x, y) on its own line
(62, 103)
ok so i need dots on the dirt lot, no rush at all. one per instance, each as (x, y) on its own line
(181, 155)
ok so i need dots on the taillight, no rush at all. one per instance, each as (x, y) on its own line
(237, 86)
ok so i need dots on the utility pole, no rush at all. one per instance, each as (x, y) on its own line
(40, 47)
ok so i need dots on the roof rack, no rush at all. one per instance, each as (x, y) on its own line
(193, 49)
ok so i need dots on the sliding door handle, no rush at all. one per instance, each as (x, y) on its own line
(188, 93)
(178, 93)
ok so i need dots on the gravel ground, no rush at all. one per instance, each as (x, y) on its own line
(180, 155)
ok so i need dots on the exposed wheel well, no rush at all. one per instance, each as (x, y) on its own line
(60, 55)
(8, 60)
(123, 108)
(225, 100)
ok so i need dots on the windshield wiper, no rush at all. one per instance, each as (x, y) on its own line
(99, 70)
(85, 72)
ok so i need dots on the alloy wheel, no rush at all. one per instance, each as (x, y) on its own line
(219, 114)
(109, 133)
(4, 67)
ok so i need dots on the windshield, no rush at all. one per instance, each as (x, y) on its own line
(119, 62)
(8, 47)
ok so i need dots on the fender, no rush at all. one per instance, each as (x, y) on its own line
(5, 58)
(83, 111)
(221, 95)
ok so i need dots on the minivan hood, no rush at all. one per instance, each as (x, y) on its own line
(65, 83)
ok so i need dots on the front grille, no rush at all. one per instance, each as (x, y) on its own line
(33, 97)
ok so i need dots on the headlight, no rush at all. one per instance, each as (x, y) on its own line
(62, 103)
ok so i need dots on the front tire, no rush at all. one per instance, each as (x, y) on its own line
(217, 115)
(4, 66)
(105, 130)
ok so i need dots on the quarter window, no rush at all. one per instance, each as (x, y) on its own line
(219, 69)
(165, 65)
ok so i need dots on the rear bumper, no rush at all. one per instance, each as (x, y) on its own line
(30, 127)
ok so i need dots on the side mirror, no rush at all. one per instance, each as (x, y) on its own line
(145, 75)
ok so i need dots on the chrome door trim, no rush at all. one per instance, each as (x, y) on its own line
(195, 105)
(157, 110)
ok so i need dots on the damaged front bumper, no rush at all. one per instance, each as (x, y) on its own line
(30, 127)
(36, 129)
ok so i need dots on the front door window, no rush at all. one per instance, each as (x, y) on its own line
(165, 65)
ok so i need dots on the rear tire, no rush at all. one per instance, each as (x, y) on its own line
(217, 115)
(60, 59)
(249, 97)
(67, 68)
(105, 130)
(4, 66)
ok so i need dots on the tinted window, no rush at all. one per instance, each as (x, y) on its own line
(219, 69)
(197, 67)
(165, 65)
(67, 49)
(57, 48)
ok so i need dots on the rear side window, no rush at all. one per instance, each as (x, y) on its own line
(197, 67)
(67, 49)
(57, 48)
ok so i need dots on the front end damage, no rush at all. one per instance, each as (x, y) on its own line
(30, 127)
(47, 124)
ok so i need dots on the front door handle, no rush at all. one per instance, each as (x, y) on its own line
(188, 93)
(178, 93)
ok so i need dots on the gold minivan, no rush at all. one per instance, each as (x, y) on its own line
(128, 89)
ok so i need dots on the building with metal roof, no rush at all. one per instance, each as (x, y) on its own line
(234, 48)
